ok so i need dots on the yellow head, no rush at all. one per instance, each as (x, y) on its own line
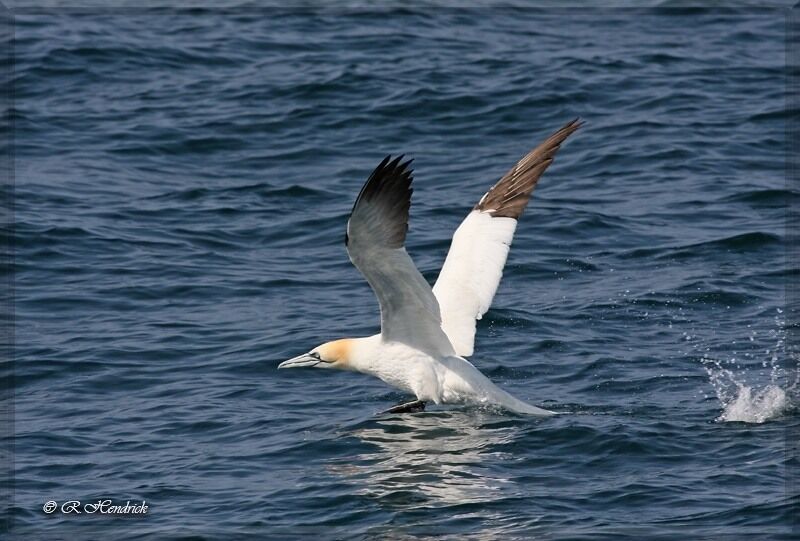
(334, 354)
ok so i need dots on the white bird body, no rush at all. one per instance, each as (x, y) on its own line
(443, 380)
(426, 332)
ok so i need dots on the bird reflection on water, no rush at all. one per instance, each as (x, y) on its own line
(432, 459)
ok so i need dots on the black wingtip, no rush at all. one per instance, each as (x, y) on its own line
(389, 171)
(389, 186)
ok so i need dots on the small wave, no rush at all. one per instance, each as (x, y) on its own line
(754, 240)
(773, 114)
(763, 197)
(262, 190)
(661, 58)
(742, 241)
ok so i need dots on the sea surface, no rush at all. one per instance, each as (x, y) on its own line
(182, 182)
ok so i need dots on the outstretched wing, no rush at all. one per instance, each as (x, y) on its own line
(474, 265)
(376, 234)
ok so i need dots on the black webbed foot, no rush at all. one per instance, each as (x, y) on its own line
(407, 407)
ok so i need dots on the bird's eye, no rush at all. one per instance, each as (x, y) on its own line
(315, 355)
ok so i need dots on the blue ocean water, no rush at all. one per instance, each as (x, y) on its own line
(183, 180)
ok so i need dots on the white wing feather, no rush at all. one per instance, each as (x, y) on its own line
(471, 274)
(474, 265)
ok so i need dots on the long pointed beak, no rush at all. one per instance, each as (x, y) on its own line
(300, 361)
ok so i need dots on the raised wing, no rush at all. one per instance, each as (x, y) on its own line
(376, 234)
(474, 265)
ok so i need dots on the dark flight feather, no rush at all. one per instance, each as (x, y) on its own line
(511, 194)
(382, 205)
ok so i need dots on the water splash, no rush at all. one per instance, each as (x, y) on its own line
(742, 402)
(752, 402)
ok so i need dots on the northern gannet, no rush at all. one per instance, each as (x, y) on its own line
(426, 332)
